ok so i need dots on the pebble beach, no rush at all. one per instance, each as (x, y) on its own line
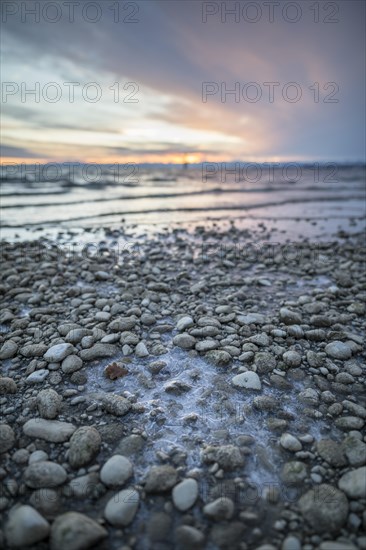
(184, 393)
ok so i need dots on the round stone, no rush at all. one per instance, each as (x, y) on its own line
(354, 483)
(75, 531)
(292, 358)
(44, 474)
(122, 507)
(338, 350)
(290, 443)
(71, 363)
(57, 353)
(325, 508)
(185, 494)
(294, 473)
(25, 527)
(116, 471)
(221, 508)
(84, 446)
(7, 438)
(48, 403)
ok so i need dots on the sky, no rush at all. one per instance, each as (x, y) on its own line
(182, 80)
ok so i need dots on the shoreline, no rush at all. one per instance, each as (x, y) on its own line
(238, 380)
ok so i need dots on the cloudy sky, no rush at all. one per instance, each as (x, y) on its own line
(148, 81)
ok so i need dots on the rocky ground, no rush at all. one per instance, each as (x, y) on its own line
(183, 396)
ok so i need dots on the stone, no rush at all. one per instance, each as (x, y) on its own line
(8, 350)
(252, 318)
(38, 376)
(49, 430)
(49, 403)
(46, 501)
(338, 350)
(290, 443)
(159, 527)
(185, 494)
(325, 508)
(75, 531)
(184, 341)
(349, 423)
(141, 350)
(228, 457)
(353, 483)
(7, 386)
(25, 527)
(331, 452)
(355, 450)
(116, 404)
(44, 474)
(248, 380)
(71, 363)
(292, 358)
(7, 438)
(130, 445)
(122, 507)
(294, 473)
(188, 537)
(160, 479)
(184, 323)
(84, 446)
(219, 509)
(219, 358)
(33, 350)
(116, 471)
(98, 351)
(291, 543)
(265, 362)
(290, 317)
(57, 353)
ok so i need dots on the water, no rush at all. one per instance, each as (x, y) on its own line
(48, 199)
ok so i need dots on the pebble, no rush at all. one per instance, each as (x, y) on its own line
(49, 403)
(290, 317)
(353, 483)
(184, 323)
(98, 351)
(325, 508)
(185, 494)
(248, 380)
(44, 474)
(222, 508)
(116, 404)
(338, 350)
(75, 531)
(8, 350)
(291, 543)
(160, 479)
(25, 527)
(290, 443)
(50, 430)
(141, 350)
(188, 537)
(116, 471)
(292, 358)
(71, 363)
(84, 446)
(218, 358)
(122, 507)
(7, 438)
(184, 341)
(57, 353)
(7, 385)
(38, 376)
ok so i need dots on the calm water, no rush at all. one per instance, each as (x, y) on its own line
(48, 198)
